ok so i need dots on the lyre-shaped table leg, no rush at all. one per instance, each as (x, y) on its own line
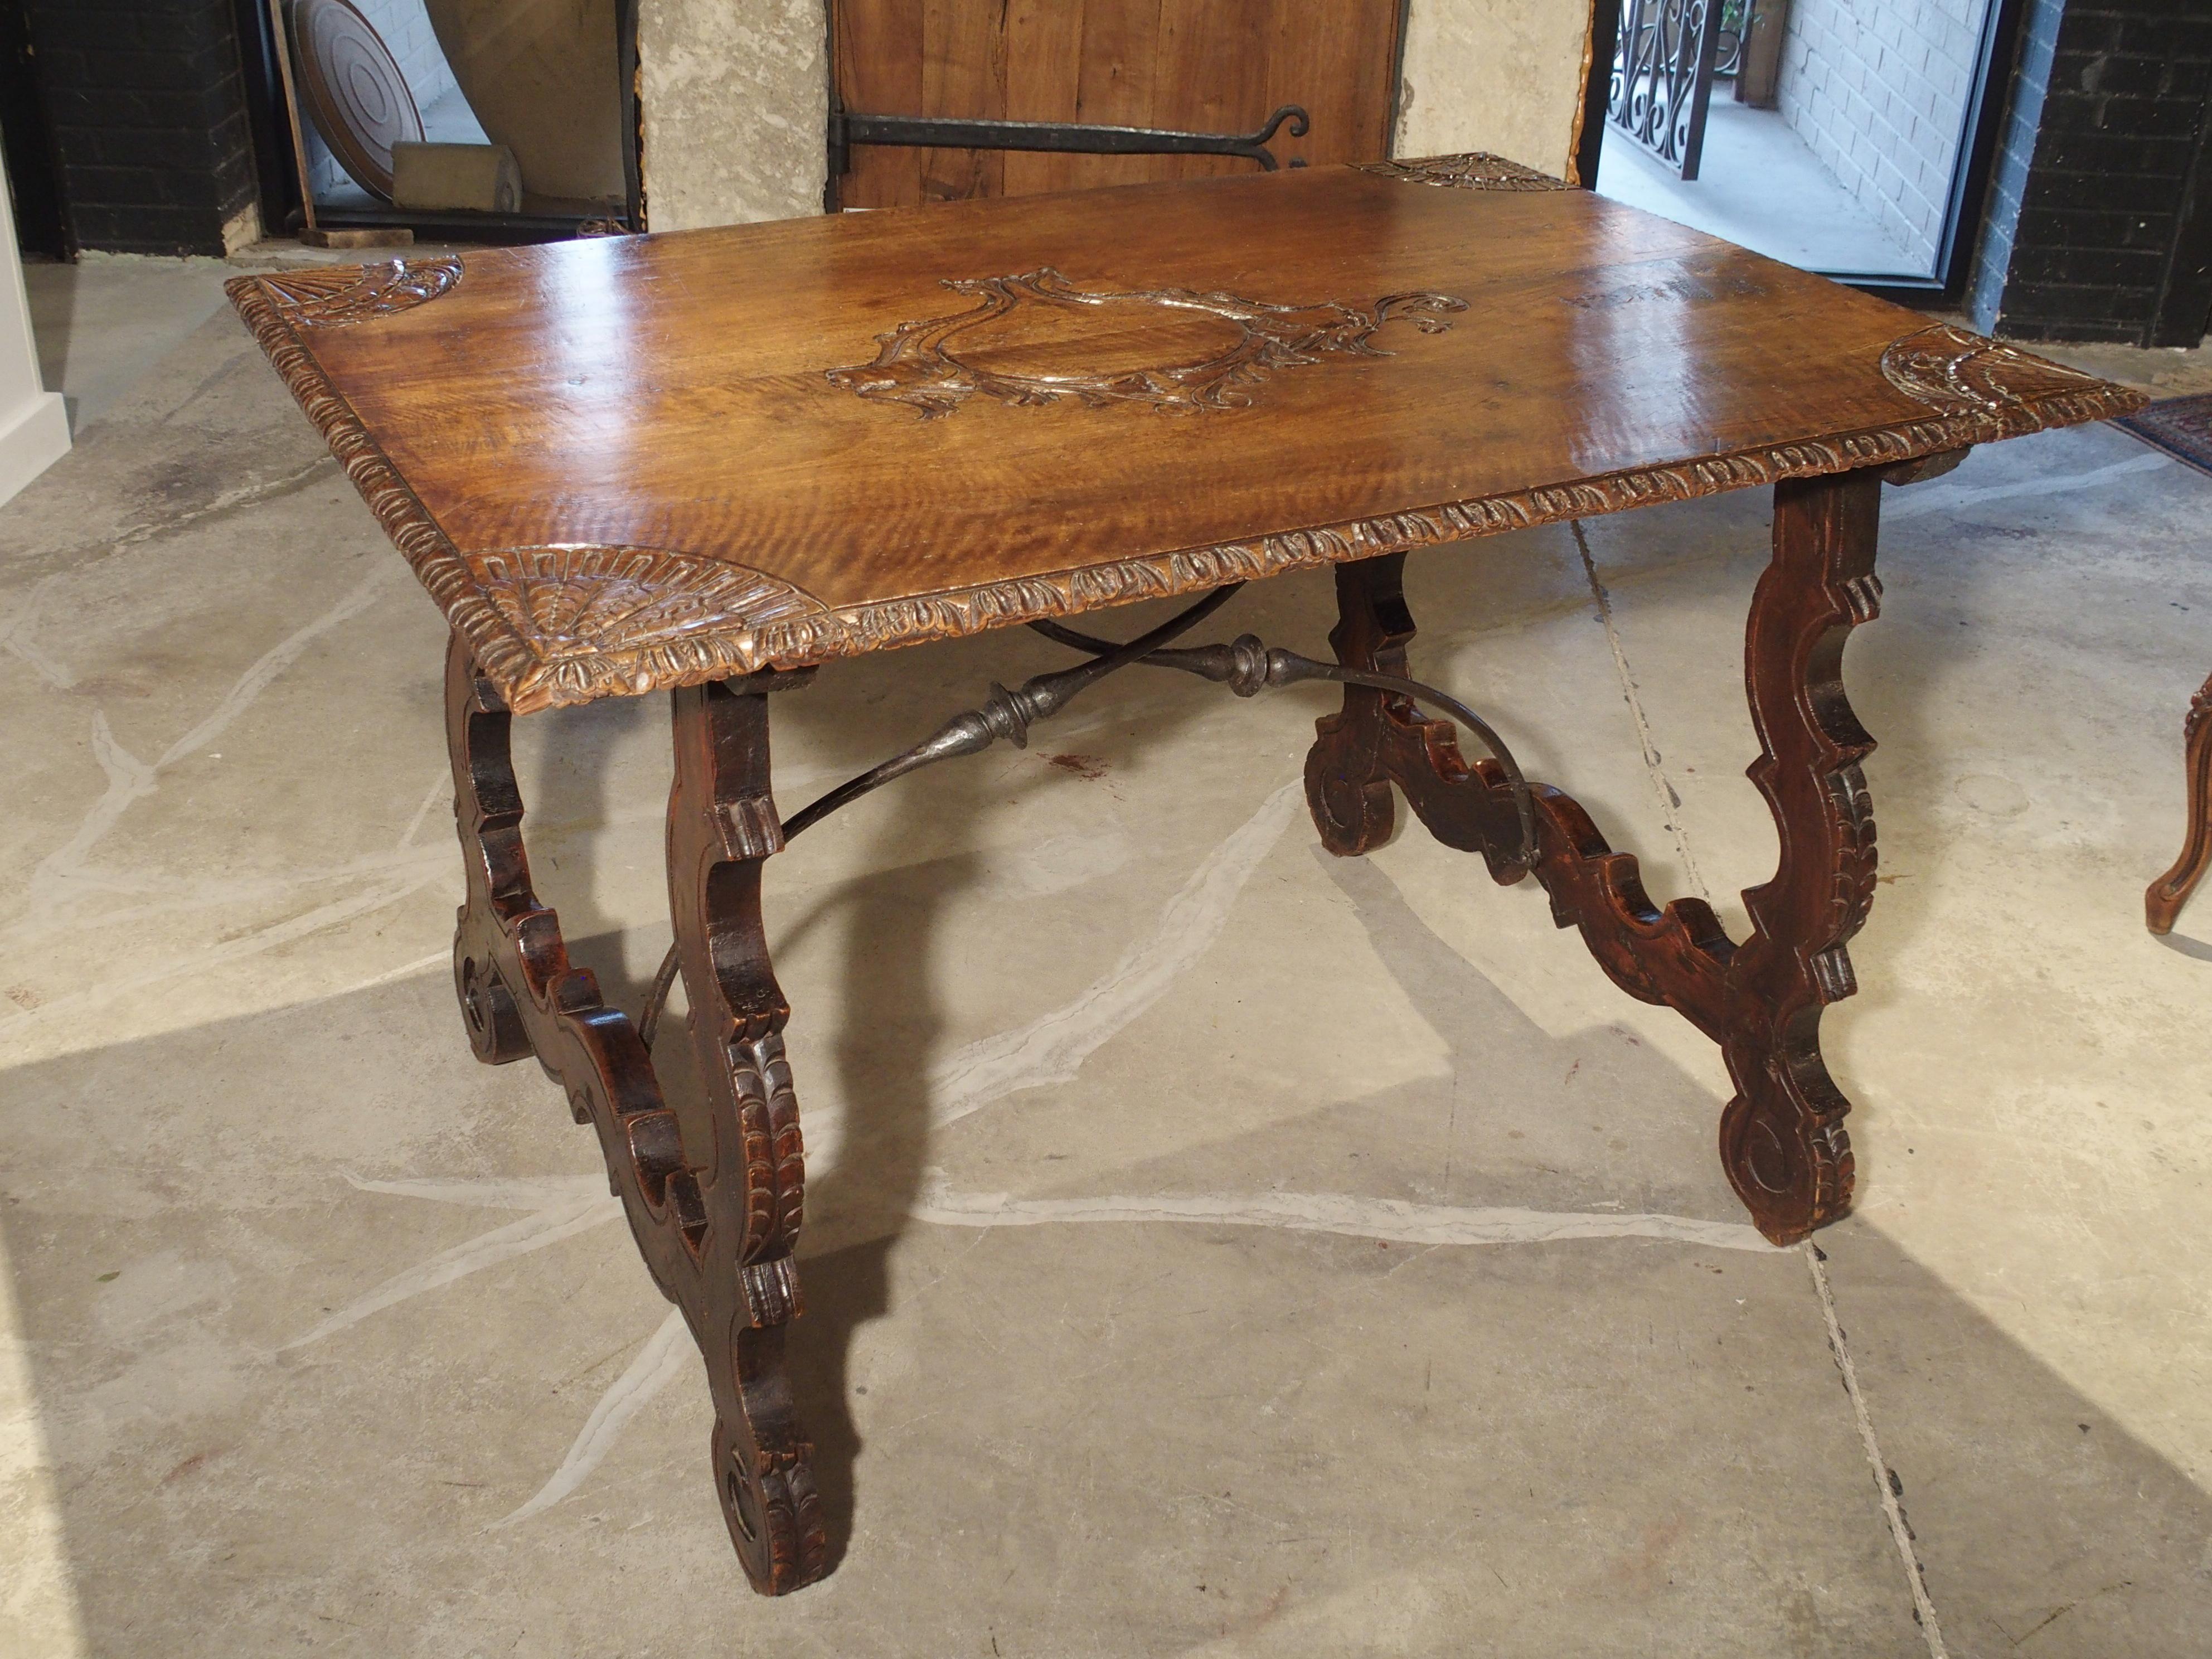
(2163, 901)
(722, 826)
(715, 1231)
(1782, 1138)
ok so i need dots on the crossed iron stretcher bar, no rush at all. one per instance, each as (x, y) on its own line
(1245, 665)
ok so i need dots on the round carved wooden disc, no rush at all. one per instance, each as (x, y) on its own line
(354, 91)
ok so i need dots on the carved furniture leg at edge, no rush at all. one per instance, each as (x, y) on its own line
(722, 826)
(1781, 1139)
(2163, 900)
(715, 1231)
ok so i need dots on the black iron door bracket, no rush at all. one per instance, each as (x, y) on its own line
(848, 129)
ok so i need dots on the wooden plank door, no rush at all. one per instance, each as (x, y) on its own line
(1196, 65)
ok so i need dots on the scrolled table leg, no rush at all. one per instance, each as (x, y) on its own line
(487, 816)
(722, 826)
(1347, 781)
(1782, 1138)
(2163, 900)
(716, 1230)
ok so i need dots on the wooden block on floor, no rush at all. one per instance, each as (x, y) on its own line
(477, 178)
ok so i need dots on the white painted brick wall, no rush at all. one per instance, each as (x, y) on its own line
(1878, 90)
(405, 28)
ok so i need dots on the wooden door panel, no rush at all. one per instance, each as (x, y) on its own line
(885, 76)
(1119, 73)
(1214, 58)
(1044, 72)
(964, 53)
(1200, 65)
(1346, 52)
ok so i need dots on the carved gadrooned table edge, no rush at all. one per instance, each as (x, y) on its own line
(546, 636)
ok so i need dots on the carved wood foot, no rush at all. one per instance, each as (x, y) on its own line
(716, 1231)
(1781, 1139)
(2162, 902)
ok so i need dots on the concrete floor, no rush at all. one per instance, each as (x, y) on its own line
(102, 322)
(1759, 185)
(1160, 1299)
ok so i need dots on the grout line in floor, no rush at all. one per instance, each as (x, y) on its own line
(1923, 1610)
(1669, 802)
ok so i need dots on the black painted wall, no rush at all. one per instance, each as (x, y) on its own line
(149, 123)
(2100, 221)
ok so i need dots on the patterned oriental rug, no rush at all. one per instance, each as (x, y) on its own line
(2182, 427)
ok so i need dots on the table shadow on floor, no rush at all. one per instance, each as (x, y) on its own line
(182, 1441)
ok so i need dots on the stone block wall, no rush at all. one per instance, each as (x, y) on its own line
(1505, 76)
(736, 108)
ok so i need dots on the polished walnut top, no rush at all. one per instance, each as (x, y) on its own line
(650, 461)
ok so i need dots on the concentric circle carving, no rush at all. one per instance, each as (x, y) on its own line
(354, 91)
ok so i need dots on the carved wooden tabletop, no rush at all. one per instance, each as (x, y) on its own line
(652, 461)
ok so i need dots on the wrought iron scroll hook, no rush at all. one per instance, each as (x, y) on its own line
(851, 127)
(1254, 144)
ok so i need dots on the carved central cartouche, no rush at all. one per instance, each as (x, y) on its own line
(938, 363)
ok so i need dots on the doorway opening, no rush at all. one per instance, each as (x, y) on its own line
(470, 120)
(1849, 137)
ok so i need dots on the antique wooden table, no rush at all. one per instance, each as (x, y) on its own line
(710, 462)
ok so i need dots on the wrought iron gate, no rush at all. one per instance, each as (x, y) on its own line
(1664, 63)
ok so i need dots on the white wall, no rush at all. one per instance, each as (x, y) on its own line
(1503, 76)
(1878, 88)
(33, 422)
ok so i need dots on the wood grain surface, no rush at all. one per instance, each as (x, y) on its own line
(639, 462)
(1196, 65)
